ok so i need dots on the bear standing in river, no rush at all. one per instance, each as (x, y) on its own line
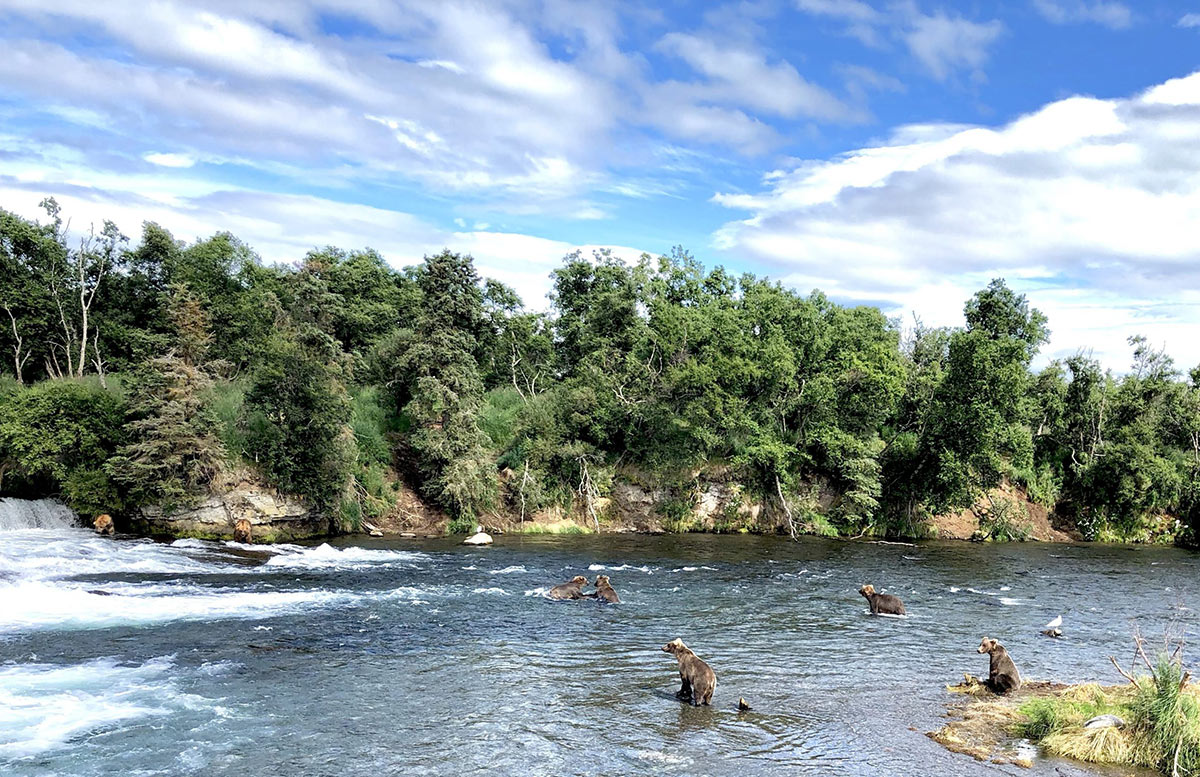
(1002, 672)
(882, 604)
(572, 589)
(699, 680)
(104, 524)
(604, 591)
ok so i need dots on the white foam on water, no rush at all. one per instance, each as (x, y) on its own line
(621, 568)
(43, 707)
(34, 605)
(325, 556)
(508, 570)
(495, 591)
(1008, 601)
(662, 758)
(543, 591)
(45, 554)
(693, 569)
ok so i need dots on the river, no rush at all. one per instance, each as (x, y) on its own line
(425, 657)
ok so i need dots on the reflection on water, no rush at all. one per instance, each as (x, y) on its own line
(429, 658)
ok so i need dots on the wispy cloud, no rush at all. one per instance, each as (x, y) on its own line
(943, 43)
(1115, 15)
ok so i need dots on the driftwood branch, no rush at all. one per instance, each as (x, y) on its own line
(1124, 674)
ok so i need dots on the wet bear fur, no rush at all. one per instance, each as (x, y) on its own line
(1002, 672)
(572, 589)
(882, 604)
(698, 679)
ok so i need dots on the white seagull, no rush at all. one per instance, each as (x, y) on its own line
(1052, 629)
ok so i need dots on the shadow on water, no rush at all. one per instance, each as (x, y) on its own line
(429, 658)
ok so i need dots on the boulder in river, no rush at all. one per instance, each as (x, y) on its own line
(478, 538)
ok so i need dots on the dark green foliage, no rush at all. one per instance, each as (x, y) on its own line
(338, 374)
(173, 451)
(437, 385)
(296, 413)
(55, 438)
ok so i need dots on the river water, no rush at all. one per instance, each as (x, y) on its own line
(373, 657)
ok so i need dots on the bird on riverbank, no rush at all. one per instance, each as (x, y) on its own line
(1052, 629)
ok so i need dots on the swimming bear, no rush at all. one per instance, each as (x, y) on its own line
(882, 604)
(698, 679)
(104, 524)
(572, 589)
(1002, 672)
(604, 591)
(241, 531)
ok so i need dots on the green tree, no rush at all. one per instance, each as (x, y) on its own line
(173, 451)
(297, 410)
(437, 385)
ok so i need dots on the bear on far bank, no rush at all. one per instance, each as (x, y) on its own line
(698, 679)
(1002, 672)
(882, 604)
(104, 524)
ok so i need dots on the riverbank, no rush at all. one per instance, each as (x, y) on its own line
(1152, 722)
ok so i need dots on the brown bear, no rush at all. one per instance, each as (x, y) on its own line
(1002, 672)
(104, 524)
(241, 531)
(882, 604)
(699, 680)
(572, 589)
(604, 591)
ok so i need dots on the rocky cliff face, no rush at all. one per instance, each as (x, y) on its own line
(272, 517)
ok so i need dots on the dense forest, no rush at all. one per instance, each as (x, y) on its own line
(136, 371)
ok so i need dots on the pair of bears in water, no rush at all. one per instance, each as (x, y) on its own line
(573, 589)
(1002, 671)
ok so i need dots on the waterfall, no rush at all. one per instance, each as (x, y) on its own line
(16, 514)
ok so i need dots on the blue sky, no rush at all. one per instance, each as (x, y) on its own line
(899, 154)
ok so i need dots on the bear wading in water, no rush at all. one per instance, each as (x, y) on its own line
(698, 679)
(242, 531)
(104, 524)
(604, 591)
(572, 589)
(1002, 672)
(882, 604)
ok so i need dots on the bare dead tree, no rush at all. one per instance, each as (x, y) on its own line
(20, 353)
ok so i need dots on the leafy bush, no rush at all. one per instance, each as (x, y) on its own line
(57, 436)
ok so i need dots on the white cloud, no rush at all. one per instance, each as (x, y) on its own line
(169, 160)
(1189, 20)
(1115, 15)
(851, 10)
(944, 44)
(1089, 205)
(740, 75)
(282, 228)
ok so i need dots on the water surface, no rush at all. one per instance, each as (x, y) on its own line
(373, 657)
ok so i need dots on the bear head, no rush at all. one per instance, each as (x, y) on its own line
(675, 646)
